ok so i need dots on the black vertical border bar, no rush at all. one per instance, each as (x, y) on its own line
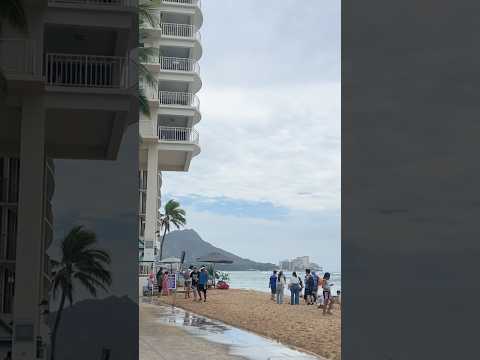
(410, 175)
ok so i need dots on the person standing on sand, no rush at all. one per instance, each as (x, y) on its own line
(309, 284)
(280, 288)
(300, 282)
(166, 290)
(338, 299)
(150, 282)
(272, 284)
(315, 286)
(202, 284)
(327, 296)
(188, 282)
(294, 286)
(159, 277)
(194, 276)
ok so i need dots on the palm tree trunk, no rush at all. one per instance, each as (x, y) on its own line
(55, 327)
(161, 243)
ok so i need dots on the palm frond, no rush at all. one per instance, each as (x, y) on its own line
(145, 53)
(14, 12)
(83, 262)
(147, 13)
(143, 102)
(147, 76)
(3, 84)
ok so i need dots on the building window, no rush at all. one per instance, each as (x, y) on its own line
(142, 226)
(142, 179)
(13, 177)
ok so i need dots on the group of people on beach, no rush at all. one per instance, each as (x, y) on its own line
(195, 280)
(310, 286)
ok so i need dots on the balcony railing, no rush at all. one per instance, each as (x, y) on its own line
(105, 3)
(183, 2)
(178, 98)
(17, 56)
(177, 134)
(86, 71)
(175, 64)
(179, 30)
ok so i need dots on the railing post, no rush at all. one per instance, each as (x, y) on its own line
(33, 58)
(127, 73)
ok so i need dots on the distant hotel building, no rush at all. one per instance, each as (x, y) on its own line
(299, 264)
(168, 138)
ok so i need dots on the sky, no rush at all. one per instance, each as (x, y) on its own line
(266, 184)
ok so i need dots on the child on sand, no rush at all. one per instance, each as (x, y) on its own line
(338, 299)
(327, 296)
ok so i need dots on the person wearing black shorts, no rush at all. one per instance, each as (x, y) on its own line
(194, 276)
(202, 284)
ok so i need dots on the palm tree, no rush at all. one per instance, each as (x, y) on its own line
(147, 15)
(14, 13)
(81, 263)
(175, 215)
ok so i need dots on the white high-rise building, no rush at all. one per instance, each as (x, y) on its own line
(168, 138)
(70, 96)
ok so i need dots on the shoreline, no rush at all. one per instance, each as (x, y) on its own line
(301, 327)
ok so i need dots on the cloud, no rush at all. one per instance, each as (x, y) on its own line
(270, 131)
(231, 207)
(268, 144)
(313, 233)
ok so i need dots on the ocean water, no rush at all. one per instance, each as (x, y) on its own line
(258, 280)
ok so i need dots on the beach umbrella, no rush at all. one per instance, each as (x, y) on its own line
(170, 261)
(214, 258)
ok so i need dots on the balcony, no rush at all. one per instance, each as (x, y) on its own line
(176, 145)
(185, 31)
(169, 98)
(182, 2)
(17, 57)
(86, 71)
(178, 134)
(94, 3)
(175, 64)
(178, 99)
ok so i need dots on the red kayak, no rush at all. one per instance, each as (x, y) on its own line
(222, 285)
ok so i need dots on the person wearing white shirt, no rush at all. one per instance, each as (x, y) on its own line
(294, 286)
(281, 283)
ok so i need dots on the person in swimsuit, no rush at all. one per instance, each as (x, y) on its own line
(327, 295)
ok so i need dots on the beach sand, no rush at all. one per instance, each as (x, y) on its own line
(301, 326)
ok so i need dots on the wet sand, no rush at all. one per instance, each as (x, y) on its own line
(159, 341)
(302, 326)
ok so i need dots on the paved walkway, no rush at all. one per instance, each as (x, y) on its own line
(166, 342)
(168, 333)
